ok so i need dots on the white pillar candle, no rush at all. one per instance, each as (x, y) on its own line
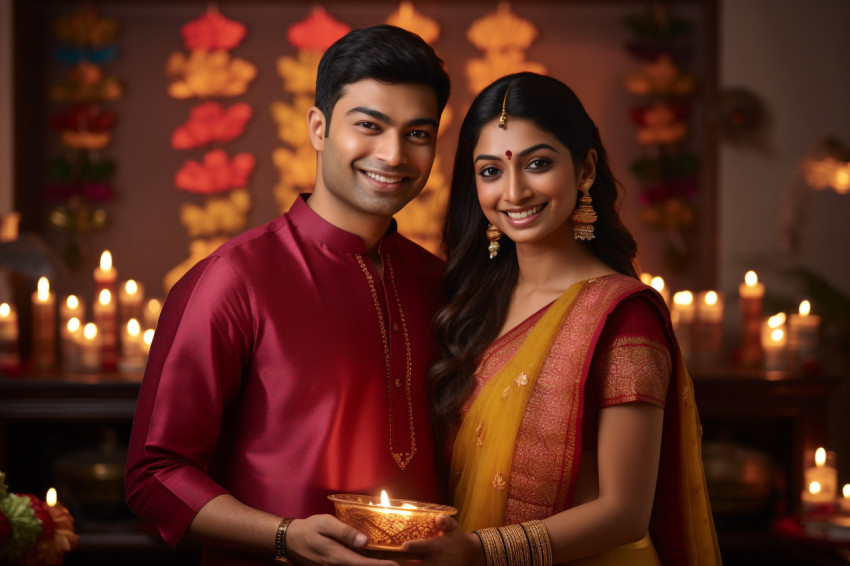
(131, 295)
(709, 327)
(44, 327)
(820, 482)
(10, 359)
(751, 295)
(803, 328)
(71, 334)
(106, 319)
(132, 353)
(683, 315)
(774, 343)
(90, 349)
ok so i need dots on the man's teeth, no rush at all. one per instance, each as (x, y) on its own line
(382, 179)
(525, 213)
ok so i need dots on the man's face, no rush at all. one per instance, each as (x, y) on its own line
(377, 154)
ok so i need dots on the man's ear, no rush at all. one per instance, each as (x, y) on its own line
(316, 127)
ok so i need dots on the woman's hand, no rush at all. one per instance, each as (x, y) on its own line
(452, 547)
(325, 540)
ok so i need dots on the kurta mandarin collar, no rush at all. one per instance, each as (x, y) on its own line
(313, 226)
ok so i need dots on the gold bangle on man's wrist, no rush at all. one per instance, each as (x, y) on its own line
(280, 541)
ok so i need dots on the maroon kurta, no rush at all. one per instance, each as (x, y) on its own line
(283, 369)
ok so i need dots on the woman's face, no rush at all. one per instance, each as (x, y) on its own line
(527, 184)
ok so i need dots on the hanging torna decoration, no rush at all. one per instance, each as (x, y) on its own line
(219, 180)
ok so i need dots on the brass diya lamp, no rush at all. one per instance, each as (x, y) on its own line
(389, 523)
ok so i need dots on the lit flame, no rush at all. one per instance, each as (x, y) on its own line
(751, 279)
(776, 320)
(657, 283)
(820, 457)
(711, 298)
(73, 324)
(43, 289)
(50, 498)
(105, 297)
(777, 335)
(683, 298)
(814, 487)
(90, 331)
(846, 491)
(72, 301)
(645, 278)
(106, 261)
(133, 327)
(148, 336)
(385, 499)
(5, 310)
(131, 287)
(805, 308)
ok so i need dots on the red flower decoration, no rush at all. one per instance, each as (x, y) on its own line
(212, 31)
(210, 122)
(84, 117)
(5, 526)
(316, 32)
(216, 174)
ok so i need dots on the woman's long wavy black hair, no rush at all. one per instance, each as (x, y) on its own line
(478, 289)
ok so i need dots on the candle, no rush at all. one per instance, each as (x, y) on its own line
(683, 316)
(130, 298)
(70, 344)
(105, 274)
(105, 317)
(90, 349)
(750, 294)
(709, 327)
(70, 308)
(803, 339)
(10, 360)
(151, 315)
(657, 283)
(44, 327)
(820, 482)
(844, 501)
(132, 352)
(774, 343)
(50, 498)
(388, 523)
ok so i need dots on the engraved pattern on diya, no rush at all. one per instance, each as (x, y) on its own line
(388, 523)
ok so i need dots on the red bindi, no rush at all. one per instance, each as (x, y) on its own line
(510, 154)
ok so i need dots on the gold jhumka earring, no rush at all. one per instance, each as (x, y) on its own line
(584, 216)
(503, 117)
(493, 235)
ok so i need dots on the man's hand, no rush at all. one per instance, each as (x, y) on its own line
(325, 540)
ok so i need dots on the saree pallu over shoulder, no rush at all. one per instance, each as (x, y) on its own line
(517, 454)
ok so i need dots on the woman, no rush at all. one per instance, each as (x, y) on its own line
(576, 434)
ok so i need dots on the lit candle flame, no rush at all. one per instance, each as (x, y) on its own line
(657, 283)
(814, 487)
(72, 301)
(43, 289)
(711, 298)
(751, 279)
(90, 331)
(776, 320)
(148, 336)
(385, 499)
(105, 297)
(133, 327)
(131, 287)
(846, 491)
(777, 335)
(5, 310)
(106, 260)
(805, 308)
(683, 298)
(50, 498)
(73, 324)
(820, 457)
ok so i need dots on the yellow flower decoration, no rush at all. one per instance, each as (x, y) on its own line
(220, 215)
(291, 120)
(406, 17)
(299, 74)
(208, 74)
(501, 30)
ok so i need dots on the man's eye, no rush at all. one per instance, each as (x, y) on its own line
(420, 134)
(368, 125)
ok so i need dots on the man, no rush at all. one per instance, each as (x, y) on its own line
(290, 364)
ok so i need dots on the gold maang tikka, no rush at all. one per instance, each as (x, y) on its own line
(503, 117)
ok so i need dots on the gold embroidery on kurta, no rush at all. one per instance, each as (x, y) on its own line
(521, 379)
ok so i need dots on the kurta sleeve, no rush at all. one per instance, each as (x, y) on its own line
(632, 362)
(202, 342)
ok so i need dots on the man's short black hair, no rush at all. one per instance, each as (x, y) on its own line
(385, 53)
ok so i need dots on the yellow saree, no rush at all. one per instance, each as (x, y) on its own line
(483, 456)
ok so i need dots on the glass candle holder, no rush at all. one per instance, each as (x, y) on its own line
(390, 524)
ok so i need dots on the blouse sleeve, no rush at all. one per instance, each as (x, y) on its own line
(632, 362)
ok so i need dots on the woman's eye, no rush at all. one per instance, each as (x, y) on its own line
(489, 171)
(539, 163)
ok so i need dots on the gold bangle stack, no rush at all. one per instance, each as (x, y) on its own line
(525, 544)
(280, 541)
